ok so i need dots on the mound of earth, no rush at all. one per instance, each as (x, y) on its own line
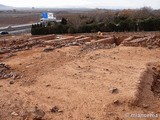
(147, 41)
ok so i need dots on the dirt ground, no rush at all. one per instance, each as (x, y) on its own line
(70, 84)
(18, 18)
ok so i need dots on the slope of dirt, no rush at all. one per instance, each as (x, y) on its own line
(79, 85)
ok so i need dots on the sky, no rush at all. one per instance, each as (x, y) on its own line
(83, 3)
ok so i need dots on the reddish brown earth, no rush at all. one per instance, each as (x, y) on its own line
(83, 84)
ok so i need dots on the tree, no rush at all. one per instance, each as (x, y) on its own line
(64, 21)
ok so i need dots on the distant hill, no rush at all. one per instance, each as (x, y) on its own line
(4, 7)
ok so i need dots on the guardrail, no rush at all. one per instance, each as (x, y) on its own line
(16, 27)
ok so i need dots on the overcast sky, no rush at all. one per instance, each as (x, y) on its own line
(83, 3)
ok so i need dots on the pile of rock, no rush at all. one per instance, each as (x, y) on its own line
(65, 42)
(25, 45)
(105, 43)
(6, 72)
(147, 41)
(5, 50)
(33, 114)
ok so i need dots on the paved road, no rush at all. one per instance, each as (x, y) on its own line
(20, 31)
(17, 28)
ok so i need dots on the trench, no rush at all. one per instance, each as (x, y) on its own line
(148, 88)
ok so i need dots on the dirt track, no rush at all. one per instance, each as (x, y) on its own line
(80, 83)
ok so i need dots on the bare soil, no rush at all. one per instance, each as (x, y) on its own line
(73, 83)
(17, 18)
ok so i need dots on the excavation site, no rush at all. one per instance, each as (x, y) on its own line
(90, 76)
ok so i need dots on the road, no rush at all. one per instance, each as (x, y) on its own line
(17, 28)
